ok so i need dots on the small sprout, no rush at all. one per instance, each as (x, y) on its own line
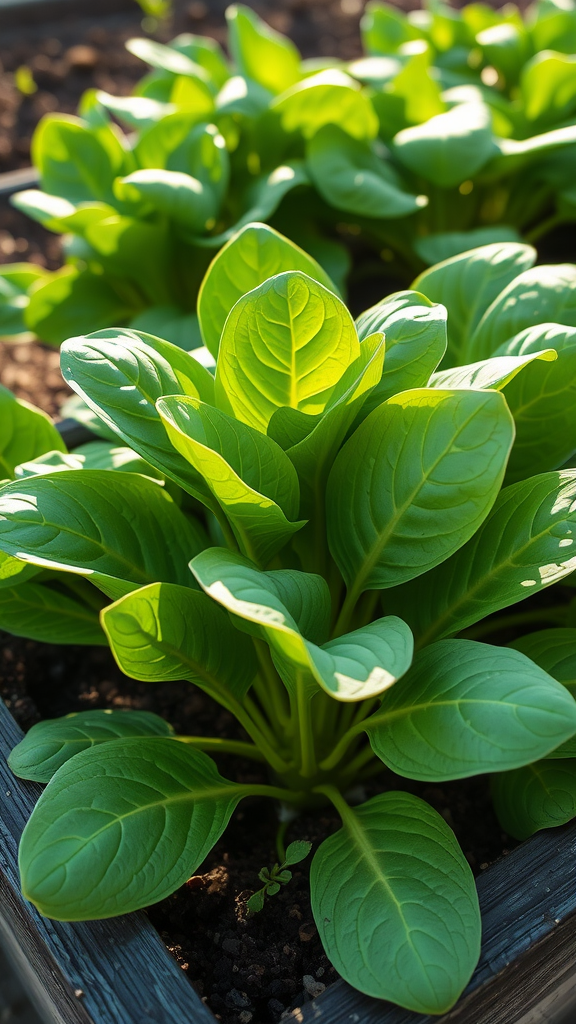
(274, 877)
(24, 80)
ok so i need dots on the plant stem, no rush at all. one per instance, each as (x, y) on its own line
(358, 762)
(280, 845)
(307, 752)
(223, 746)
(544, 227)
(341, 747)
(267, 747)
(275, 698)
(335, 797)
(346, 612)
(556, 614)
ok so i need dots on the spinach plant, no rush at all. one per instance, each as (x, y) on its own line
(456, 129)
(349, 499)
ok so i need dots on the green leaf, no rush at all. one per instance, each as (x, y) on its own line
(540, 795)
(555, 651)
(297, 851)
(206, 52)
(178, 196)
(495, 373)
(513, 155)
(291, 610)
(14, 570)
(395, 904)
(15, 281)
(286, 343)
(260, 53)
(122, 826)
(106, 455)
(466, 708)
(121, 375)
(119, 529)
(166, 632)
(467, 284)
(506, 47)
(170, 323)
(25, 433)
(253, 481)
(52, 742)
(541, 401)
(71, 301)
(135, 111)
(415, 333)
(385, 28)
(167, 58)
(541, 295)
(525, 544)
(77, 162)
(351, 176)
(329, 97)
(448, 148)
(256, 253)
(40, 612)
(437, 248)
(548, 87)
(424, 455)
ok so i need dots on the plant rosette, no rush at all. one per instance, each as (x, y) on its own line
(314, 521)
(456, 129)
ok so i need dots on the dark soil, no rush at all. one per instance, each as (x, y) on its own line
(247, 969)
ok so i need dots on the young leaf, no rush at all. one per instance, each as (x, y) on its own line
(52, 742)
(442, 451)
(253, 481)
(178, 196)
(26, 432)
(286, 343)
(71, 301)
(448, 148)
(122, 826)
(395, 904)
(166, 632)
(121, 374)
(119, 529)
(40, 612)
(15, 281)
(284, 606)
(540, 795)
(166, 58)
(76, 162)
(467, 284)
(465, 708)
(260, 53)
(297, 851)
(543, 294)
(351, 176)
(14, 570)
(415, 333)
(329, 97)
(524, 545)
(256, 253)
(495, 373)
(541, 401)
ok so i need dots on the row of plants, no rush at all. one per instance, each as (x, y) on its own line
(457, 128)
(320, 522)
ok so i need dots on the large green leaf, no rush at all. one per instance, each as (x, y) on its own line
(548, 87)
(70, 301)
(166, 632)
(167, 58)
(541, 295)
(15, 281)
(253, 481)
(540, 795)
(466, 708)
(14, 570)
(77, 162)
(52, 742)
(524, 545)
(467, 284)
(415, 333)
(351, 176)
(286, 343)
(329, 97)
(495, 373)
(541, 401)
(25, 432)
(121, 375)
(423, 457)
(174, 194)
(254, 254)
(288, 607)
(40, 612)
(395, 904)
(261, 53)
(441, 246)
(555, 651)
(121, 826)
(119, 529)
(448, 148)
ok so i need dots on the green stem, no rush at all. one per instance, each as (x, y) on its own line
(267, 747)
(358, 762)
(367, 607)
(303, 706)
(335, 797)
(343, 621)
(341, 747)
(280, 844)
(556, 614)
(223, 746)
(276, 698)
(290, 796)
(544, 227)
(229, 537)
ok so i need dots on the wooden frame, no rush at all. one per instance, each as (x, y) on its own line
(119, 972)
